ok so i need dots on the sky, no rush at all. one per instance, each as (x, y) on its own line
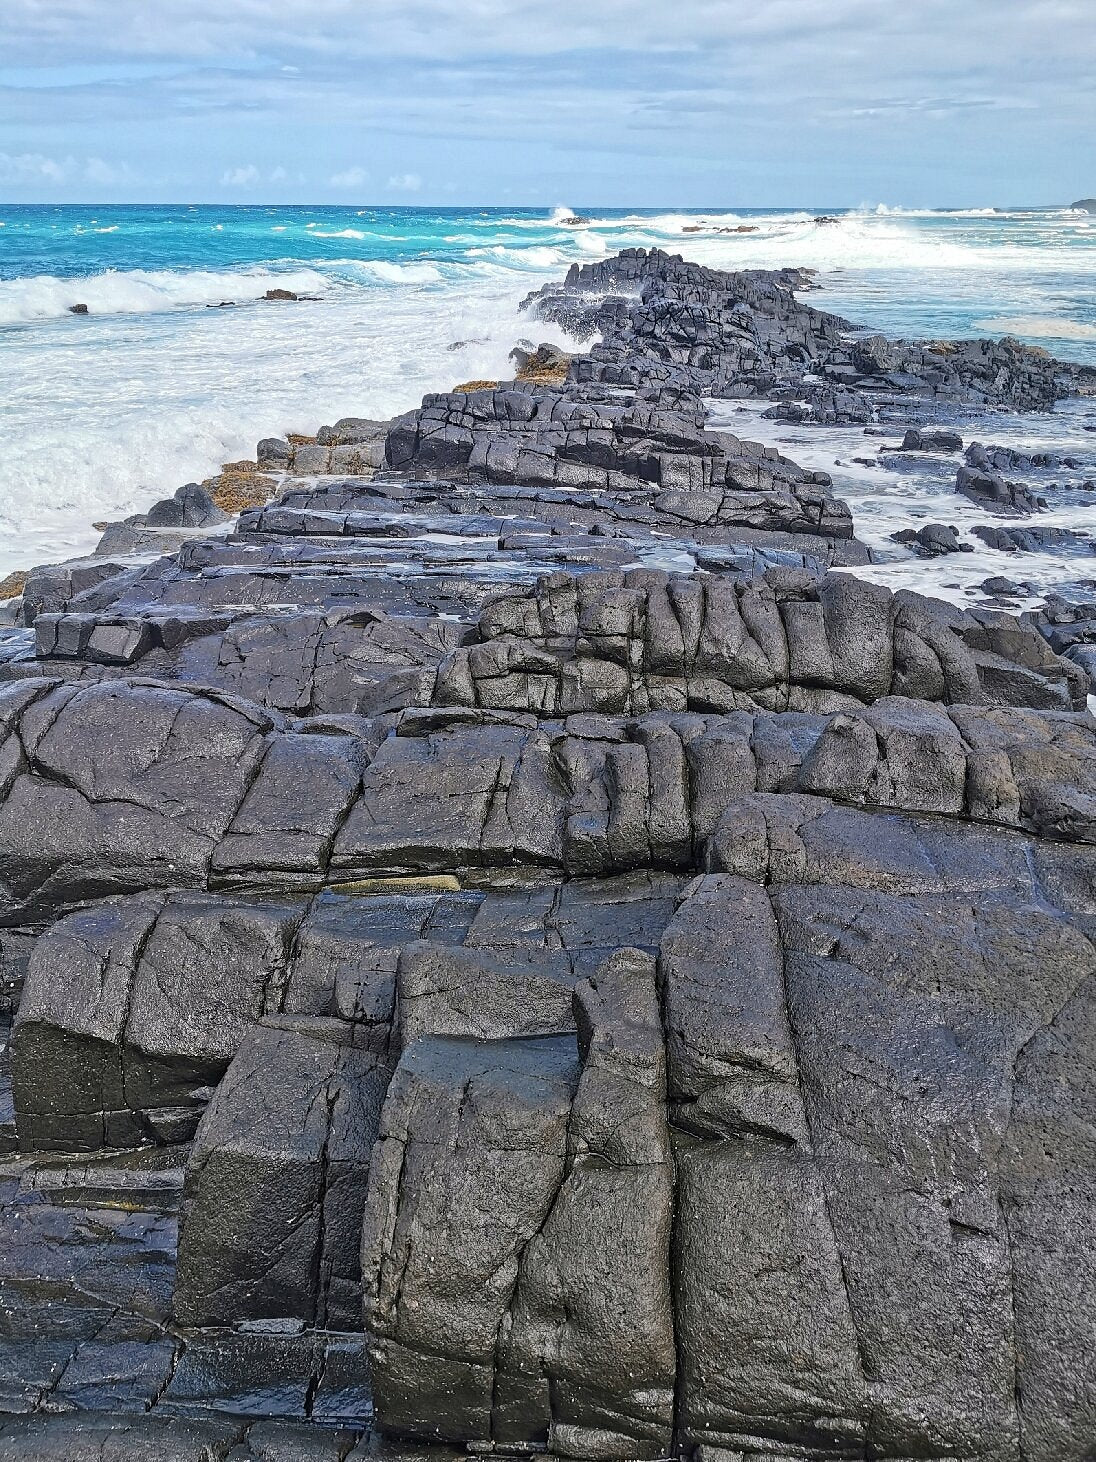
(626, 103)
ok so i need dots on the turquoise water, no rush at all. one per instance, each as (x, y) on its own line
(104, 412)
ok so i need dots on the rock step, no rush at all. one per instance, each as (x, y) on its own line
(146, 1180)
(9, 1142)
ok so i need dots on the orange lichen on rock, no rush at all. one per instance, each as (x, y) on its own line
(240, 485)
(14, 584)
(467, 386)
(547, 366)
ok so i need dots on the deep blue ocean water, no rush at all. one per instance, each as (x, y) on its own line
(104, 412)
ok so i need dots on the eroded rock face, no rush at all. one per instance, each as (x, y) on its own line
(681, 325)
(504, 949)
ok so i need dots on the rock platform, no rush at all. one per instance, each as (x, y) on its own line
(511, 947)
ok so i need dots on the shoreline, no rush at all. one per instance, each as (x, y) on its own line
(375, 344)
(1005, 425)
(519, 947)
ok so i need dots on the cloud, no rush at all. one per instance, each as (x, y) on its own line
(351, 178)
(242, 177)
(34, 167)
(526, 101)
(110, 174)
(28, 168)
(293, 31)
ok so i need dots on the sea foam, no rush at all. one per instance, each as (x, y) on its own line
(138, 291)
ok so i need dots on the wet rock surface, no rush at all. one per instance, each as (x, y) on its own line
(510, 946)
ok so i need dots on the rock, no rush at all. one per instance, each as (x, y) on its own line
(78, 309)
(280, 294)
(191, 507)
(466, 988)
(273, 453)
(275, 1188)
(999, 585)
(1084, 205)
(443, 1235)
(1030, 540)
(990, 490)
(933, 540)
(931, 440)
(1001, 459)
(130, 1014)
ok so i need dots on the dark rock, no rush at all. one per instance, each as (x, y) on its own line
(78, 309)
(999, 585)
(933, 540)
(1003, 459)
(272, 452)
(580, 975)
(990, 490)
(1031, 540)
(132, 1012)
(927, 439)
(191, 507)
(276, 1180)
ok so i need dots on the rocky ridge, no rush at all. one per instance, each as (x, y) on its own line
(510, 947)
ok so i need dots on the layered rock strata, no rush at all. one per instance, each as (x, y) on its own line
(511, 947)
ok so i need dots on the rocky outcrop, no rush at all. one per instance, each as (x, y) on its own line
(990, 491)
(934, 540)
(503, 949)
(745, 334)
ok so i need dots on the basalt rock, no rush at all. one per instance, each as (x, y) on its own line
(1031, 540)
(502, 949)
(1007, 459)
(933, 540)
(746, 334)
(990, 490)
(927, 439)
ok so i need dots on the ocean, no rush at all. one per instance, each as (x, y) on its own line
(180, 365)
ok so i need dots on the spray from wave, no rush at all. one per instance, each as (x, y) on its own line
(137, 292)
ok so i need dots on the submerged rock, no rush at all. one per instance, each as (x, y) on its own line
(933, 540)
(934, 440)
(990, 490)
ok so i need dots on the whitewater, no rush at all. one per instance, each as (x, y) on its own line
(180, 364)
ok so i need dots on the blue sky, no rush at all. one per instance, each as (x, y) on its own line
(615, 102)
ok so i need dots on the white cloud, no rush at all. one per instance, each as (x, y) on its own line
(96, 170)
(243, 177)
(826, 98)
(351, 178)
(292, 31)
(278, 175)
(34, 167)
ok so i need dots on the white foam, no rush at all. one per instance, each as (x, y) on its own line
(545, 257)
(143, 291)
(1044, 327)
(400, 273)
(167, 398)
(884, 500)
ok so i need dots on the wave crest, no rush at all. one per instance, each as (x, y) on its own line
(143, 291)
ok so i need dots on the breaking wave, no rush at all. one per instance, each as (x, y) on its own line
(139, 291)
